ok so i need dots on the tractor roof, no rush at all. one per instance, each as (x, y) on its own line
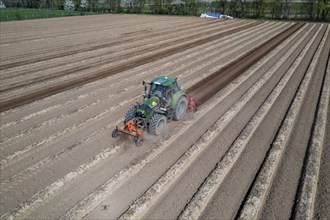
(163, 80)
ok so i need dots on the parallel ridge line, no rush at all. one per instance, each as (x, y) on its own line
(140, 206)
(41, 163)
(184, 85)
(94, 199)
(307, 193)
(18, 155)
(20, 152)
(89, 49)
(112, 59)
(131, 71)
(106, 28)
(201, 199)
(3, 114)
(50, 190)
(215, 55)
(110, 96)
(256, 198)
(24, 99)
(50, 121)
(63, 153)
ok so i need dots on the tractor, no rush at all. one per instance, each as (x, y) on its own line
(163, 100)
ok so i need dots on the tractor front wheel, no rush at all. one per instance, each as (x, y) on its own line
(138, 141)
(115, 133)
(157, 124)
(130, 114)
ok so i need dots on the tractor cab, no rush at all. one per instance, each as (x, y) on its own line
(162, 87)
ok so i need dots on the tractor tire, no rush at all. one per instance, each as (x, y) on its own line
(115, 133)
(180, 108)
(130, 114)
(157, 125)
(138, 141)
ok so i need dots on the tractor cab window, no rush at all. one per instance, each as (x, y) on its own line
(157, 90)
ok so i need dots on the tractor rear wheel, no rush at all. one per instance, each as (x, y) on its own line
(130, 114)
(157, 124)
(180, 108)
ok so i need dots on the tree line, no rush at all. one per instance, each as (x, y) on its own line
(275, 9)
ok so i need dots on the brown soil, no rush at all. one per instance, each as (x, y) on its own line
(58, 110)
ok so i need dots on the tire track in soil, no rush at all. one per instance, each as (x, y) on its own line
(18, 101)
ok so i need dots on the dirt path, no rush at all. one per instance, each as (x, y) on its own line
(58, 159)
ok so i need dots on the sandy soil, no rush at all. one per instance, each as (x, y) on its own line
(67, 82)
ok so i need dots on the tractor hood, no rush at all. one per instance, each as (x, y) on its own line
(145, 110)
(153, 102)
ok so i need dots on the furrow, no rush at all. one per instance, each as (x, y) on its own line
(307, 193)
(63, 39)
(89, 66)
(206, 60)
(126, 38)
(50, 190)
(18, 155)
(90, 202)
(78, 56)
(95, 198)
(74, 30)
(155, 67)
(87, 60)
(256, 198)
(62, 117)
(201, 199)
(101, 43)
(5, 184)
(106, 72)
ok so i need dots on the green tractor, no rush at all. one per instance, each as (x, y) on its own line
(163, 101)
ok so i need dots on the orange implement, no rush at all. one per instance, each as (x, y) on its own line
(130, 129)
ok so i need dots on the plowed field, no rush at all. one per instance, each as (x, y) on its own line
(257, 146)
